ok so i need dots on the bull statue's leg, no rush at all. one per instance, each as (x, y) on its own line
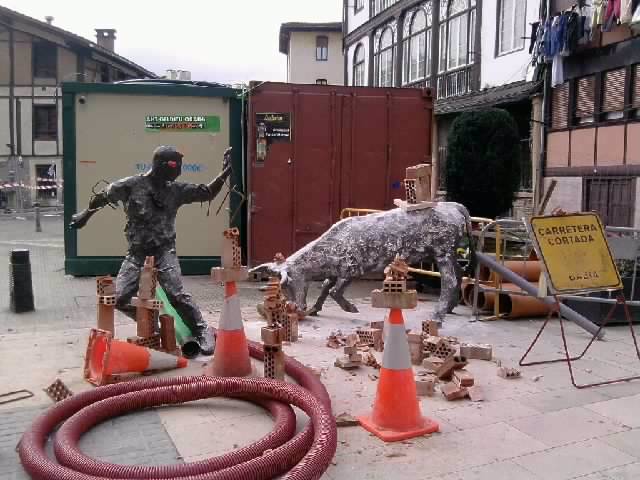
(337, 293)
(327, 285)
(449, 284)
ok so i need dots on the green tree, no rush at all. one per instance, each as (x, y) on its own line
(483, 163)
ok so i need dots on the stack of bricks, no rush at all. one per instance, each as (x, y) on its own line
(417, 185)
(147, 308)
(231, 269)
(371, 337)
(273, 334)
(106, 291)
(351, 358)
(394, 293)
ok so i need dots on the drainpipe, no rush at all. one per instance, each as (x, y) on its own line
(12, 82)
(536, 149)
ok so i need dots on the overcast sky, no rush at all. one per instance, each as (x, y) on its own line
(217, 40)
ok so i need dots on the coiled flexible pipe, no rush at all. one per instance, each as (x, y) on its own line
(305, 456)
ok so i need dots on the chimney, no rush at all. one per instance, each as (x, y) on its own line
(106, 37)
(49, 19)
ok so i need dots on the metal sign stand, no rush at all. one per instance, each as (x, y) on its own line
(568, 358)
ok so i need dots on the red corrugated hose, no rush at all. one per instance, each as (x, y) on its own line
(304, 456)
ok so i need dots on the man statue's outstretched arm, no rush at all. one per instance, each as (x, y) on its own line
(216, 184)
(112, 194)
(190, 192)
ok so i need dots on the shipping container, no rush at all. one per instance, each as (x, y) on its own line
(314, 150)
(110, 132)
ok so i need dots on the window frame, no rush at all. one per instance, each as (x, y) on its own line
(387, 50)
(43, 194)
(45, 134)
(322, 49)
(51, 71)
(586, 199)
(358, 5)
(357, 64)
(412, 41)
(444, 24)
(500, 14)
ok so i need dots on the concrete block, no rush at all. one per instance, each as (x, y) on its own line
(432, 364)
(473, 351)
(404, 301)
(463, 378)
(346, 363)
(426, 386)
(350, 350)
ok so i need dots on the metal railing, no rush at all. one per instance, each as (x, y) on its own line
(456, 83)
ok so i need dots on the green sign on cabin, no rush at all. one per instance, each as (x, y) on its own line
(182, 123)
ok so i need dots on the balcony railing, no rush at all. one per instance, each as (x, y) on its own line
(457, 82)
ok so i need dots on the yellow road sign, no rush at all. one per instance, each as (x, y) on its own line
(575, 253)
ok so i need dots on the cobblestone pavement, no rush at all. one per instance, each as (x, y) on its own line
(537, 427)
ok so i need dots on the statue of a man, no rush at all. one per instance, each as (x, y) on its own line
(151, 201)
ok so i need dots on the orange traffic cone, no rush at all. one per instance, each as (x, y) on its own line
(396, 412)
(231, 357)
(106, 357)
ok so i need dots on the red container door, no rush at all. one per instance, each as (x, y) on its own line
(348, 148)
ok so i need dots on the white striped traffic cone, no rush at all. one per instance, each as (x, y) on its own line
(396, 411)
(231, 357)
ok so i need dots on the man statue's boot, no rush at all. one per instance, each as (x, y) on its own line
(207, 341)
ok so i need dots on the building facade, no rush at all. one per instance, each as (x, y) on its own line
(314, 52)
(593, 116)
(471, 53)
(35, 58)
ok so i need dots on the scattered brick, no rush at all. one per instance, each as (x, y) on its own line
(477, 351)
(508, 373)
(463, 378)
(451, 391)
(445, 371)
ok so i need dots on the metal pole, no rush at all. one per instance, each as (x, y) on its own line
(512, 277)
(37, 215)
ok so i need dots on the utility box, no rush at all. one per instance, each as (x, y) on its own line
(110, 132)
(314, 150)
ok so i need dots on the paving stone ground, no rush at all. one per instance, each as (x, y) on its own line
(536, 427)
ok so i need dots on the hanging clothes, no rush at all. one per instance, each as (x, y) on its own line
(626, 12)
(534, 36)
(597, 18)
(611, 15)
(556, 36)
(557, 71)
(571, 33)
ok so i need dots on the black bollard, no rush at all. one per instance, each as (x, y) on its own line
(37, 215)
(20, 285)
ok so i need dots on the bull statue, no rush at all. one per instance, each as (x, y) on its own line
(356, 246)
